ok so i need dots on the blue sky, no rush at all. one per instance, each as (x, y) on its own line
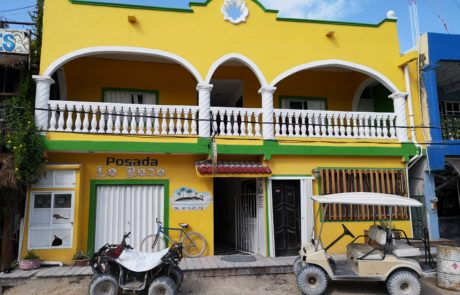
(432, 13)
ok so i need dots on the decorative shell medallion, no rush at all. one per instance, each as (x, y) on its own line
(235, 11)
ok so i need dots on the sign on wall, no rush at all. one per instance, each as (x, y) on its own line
(130, 168)
(188, 199)
(14, 41)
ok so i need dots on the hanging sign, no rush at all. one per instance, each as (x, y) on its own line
(14, 41)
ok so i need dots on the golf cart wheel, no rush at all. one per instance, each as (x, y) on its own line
(177, 275)
(162, 285)
(103, 284)
(297, 266)
(312, 280)
(403, 282)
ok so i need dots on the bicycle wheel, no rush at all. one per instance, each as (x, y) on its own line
(194, 244)
(151, 244)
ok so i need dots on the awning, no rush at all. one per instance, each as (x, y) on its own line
(232, 169)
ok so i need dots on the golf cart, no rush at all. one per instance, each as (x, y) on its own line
(382, 258)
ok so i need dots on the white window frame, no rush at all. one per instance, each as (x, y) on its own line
(50, 227)
(53, 184)
(286, 102)
(131, 94)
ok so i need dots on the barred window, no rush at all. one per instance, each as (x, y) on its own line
(388, 181)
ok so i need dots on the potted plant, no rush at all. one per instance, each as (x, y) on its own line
(30, 261)
(80, 258)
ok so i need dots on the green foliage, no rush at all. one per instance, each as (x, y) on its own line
(22, 138)
(31, 255)
(80, 255)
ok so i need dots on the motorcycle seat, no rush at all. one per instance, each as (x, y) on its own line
(141, 261)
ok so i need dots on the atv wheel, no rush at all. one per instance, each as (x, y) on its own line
(312, 280)
(297, 266)
(162, 285)
(177, 275)
(103, 284)
(403, 282)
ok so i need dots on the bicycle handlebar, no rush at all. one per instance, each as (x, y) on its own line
(158, 221)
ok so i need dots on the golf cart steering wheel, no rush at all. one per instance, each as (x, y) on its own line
(346, 231)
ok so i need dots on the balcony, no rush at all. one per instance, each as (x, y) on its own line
(175, 120)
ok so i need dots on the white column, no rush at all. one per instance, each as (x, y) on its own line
(267, 111)
(204, 102)
(42, 97)
(399, 104)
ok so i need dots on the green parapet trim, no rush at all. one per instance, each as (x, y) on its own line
(260, 5)
(328, 22)
(93, 203)
(132, 6)
(268, 149)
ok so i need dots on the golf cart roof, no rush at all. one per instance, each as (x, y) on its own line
(367, 199)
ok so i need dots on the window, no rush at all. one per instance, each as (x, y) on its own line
(51, 220)
(51, 211)
(388, 181)
(57, 179)
(130, 97)
(303, 103)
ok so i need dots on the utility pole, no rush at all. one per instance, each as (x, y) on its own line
(414, 22)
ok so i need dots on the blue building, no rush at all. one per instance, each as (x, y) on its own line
(437, 175)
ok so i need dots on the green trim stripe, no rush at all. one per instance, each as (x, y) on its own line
(268, 149)
(93, 202)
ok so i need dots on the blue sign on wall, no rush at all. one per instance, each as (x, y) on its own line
(14, 41)
(173, 4)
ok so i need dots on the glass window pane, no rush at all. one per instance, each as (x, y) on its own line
(62, 201)
(295, 105)
(61, 238)
(39, 238)
(42, 201)
(64, 178)
(46, 181)
(62, 216)
(40, 217)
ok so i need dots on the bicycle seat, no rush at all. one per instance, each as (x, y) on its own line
(184, 225)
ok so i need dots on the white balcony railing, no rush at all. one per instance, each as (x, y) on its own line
(243, 122)
(334, 124)
(116, 118)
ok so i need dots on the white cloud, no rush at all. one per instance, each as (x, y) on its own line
(314, 9)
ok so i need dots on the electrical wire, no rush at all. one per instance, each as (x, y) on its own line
(19, 8)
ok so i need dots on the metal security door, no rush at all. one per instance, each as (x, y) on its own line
(418, 218)
(246, 234)
(127, 208)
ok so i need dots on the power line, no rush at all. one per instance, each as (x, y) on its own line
(15, 9)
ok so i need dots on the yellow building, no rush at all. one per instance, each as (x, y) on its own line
(224, 116)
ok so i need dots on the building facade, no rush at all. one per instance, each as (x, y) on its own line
(440, 73)
(224, 116)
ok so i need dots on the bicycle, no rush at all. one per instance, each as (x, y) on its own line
(193, 243)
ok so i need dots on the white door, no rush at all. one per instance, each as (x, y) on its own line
(127, 208)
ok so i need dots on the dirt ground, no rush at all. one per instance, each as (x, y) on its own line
(263, 285)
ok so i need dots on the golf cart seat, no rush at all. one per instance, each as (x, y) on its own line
(365, 251)
(364, 248)
(401, 249)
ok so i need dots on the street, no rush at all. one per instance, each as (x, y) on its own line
(263, 285)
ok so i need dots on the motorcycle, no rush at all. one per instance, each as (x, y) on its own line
(119, 266)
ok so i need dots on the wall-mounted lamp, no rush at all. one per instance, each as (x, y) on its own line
(132, 19)
(330, 34)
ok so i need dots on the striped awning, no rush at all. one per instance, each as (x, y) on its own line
(232, 168)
